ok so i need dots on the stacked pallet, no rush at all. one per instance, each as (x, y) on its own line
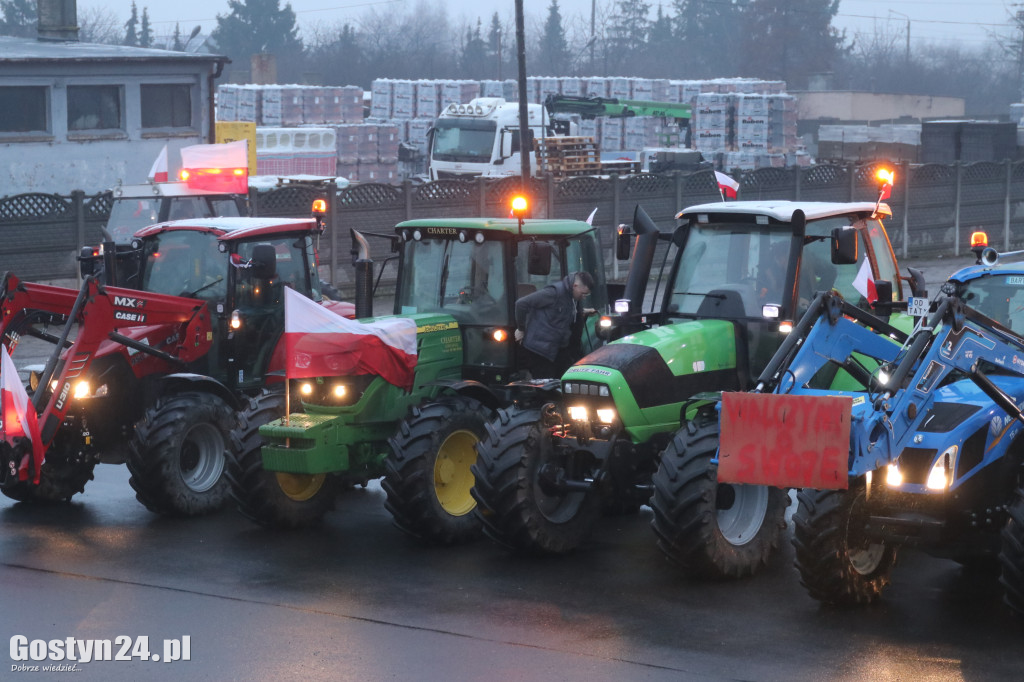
(567, 156)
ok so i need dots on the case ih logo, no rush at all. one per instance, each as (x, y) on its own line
(127, 302)
(129, 315)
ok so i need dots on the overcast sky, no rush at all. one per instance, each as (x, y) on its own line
(930, 20)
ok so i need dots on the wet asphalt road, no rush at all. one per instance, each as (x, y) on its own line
(356, 599)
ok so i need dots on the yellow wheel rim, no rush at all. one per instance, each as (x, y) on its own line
(452, 477)
(300, 487)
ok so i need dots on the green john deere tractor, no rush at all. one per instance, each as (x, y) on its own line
(458, 279)
(741, 273)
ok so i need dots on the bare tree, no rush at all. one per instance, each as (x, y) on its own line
(97, 24)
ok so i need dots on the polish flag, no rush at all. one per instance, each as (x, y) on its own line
(884, 192)
(158, 173)
(726, 185)
(217, 167)
(18, 414)
(322, 343)
(864, 282)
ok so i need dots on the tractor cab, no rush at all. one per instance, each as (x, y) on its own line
(759, 264)
(240, 267)
(476, 269)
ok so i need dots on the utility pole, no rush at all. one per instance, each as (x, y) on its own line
(593, 32)
(907, 56)
(525, 139)
(1020, 53)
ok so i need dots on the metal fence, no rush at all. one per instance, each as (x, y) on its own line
(935, 207)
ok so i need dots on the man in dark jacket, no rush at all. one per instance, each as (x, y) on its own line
(545, 321)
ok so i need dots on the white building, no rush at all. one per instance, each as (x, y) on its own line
(87, 116)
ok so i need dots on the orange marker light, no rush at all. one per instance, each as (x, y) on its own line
(499, 335)
(519, 205)
(885, 175)
(979, 240)
(319, 206)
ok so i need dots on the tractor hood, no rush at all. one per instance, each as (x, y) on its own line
(649, 374)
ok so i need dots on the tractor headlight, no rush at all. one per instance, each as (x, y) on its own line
(236, 320)
(339, 391)
(622, 306)
(578, 413)
(81, 390)
(941, 474)
(893, 476)
(306, 388)
(606, 415)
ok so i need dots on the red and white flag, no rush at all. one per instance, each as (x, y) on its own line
(322, 343)
(18, 414)
(217, 167)
(726, 185)
(158, 173)
(864, 282)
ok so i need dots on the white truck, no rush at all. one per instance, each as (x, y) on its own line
(482, 138)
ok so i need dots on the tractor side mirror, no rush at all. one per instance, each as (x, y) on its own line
(264, 261)
(844, 246)
(622, 242)
(88, 260)
(538, 259)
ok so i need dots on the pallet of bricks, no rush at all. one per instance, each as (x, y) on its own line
(567, 156)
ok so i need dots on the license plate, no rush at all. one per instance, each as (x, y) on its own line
(917, 306)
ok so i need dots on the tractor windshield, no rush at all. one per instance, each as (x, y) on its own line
(1000, 297)
(185, 263)
(730, 271)
(463, 279)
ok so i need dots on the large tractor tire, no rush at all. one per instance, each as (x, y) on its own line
(61, 477)
(1011, 555)
(514, 506)
(177, 455)
(712, 530)
(837, 565)
(428, 478)
(273, 499)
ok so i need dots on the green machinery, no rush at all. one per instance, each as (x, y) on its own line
(458, 279)
(741, 273)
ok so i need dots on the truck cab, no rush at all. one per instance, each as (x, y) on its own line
(482, 138)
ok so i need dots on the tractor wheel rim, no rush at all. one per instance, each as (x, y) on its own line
(201, 458)
(453, 479)
(866, 559)
(300, 487)
(742, 516)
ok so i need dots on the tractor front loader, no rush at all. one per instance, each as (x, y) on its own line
(922, 449)
(117, 352)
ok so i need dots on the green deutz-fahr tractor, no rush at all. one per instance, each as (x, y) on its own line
(741, 272)
(459, 280)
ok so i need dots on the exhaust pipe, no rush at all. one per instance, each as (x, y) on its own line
(643, 256)
(364, 275)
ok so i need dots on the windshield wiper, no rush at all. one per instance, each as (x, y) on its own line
(205, 287)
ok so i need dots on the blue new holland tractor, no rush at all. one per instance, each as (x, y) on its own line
(921, 448)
